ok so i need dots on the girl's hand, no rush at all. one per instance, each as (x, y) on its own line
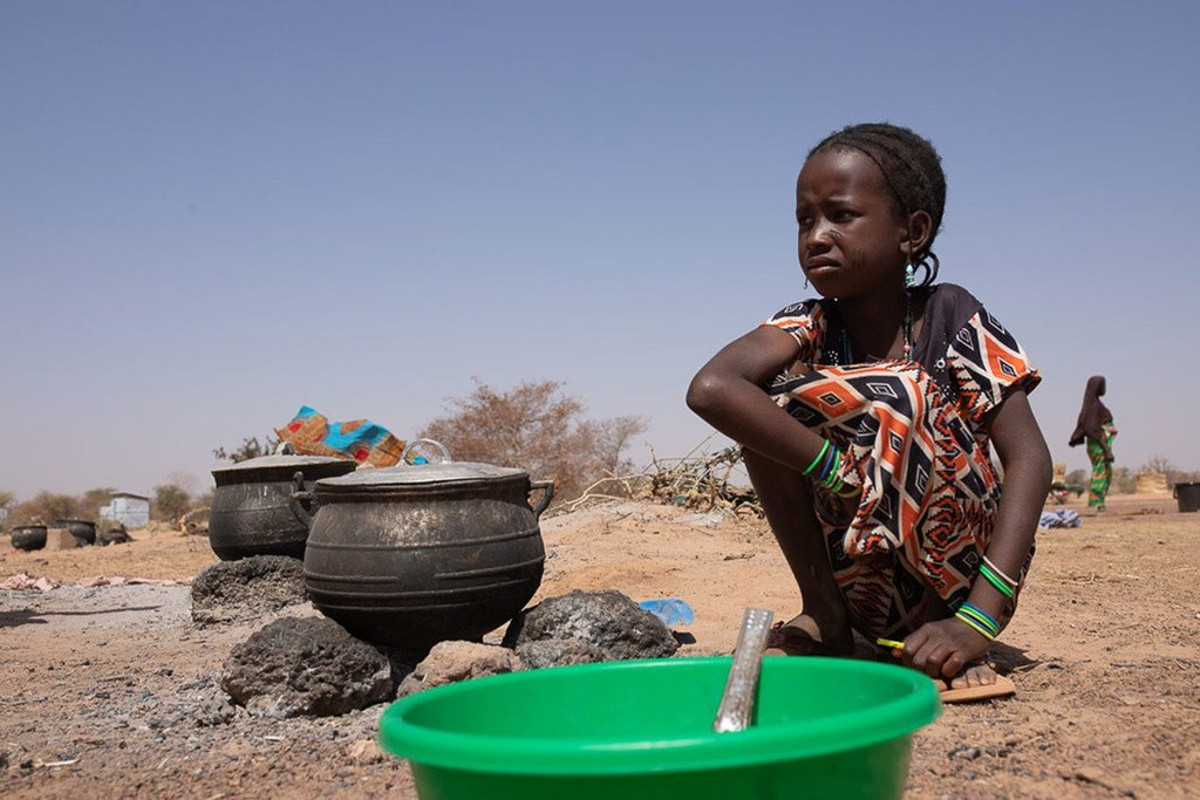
(942, 649)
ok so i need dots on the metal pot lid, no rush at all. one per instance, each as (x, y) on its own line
(421, 474)
(282, 462)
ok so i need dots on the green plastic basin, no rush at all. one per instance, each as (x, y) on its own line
(643, 729)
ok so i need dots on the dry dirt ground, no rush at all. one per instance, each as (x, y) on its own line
(109, 691)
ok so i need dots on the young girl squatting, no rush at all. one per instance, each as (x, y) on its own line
(867, 418)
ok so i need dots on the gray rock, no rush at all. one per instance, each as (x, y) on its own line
(214, 711)
(588, 626)
(305, 666)
(559, 653)
(244, 590)
(449, 662)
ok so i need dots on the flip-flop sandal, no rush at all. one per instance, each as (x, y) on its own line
(1002, 687)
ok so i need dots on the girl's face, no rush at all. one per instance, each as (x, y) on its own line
(850, 238)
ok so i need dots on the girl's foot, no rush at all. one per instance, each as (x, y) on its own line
(802, 636)
(979, 681)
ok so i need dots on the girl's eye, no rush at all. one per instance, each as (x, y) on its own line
(844, 215)
(803, 221)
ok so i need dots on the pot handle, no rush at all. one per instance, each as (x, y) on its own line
(436, 445)
(547, 488)
(299, 497)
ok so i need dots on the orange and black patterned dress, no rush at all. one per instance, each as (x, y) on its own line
(915, 433)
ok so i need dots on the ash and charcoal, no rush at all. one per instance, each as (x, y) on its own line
(247, 589)
(305, 666)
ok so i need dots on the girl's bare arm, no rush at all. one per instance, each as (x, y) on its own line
(1028, 473)
(728, 393)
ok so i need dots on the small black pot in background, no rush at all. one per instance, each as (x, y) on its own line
(83, 530)
(29, 537)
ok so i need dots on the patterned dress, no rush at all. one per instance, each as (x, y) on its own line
(915, 433)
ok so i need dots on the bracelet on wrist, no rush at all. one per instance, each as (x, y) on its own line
(978, 620)
(997, 583)
(820, 455)
(999, 573)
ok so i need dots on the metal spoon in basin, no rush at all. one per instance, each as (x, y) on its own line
(737, 703)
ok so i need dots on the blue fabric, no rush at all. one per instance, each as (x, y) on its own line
(1062, 518)
(361, 432)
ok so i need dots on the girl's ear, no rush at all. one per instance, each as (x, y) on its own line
(920, 231)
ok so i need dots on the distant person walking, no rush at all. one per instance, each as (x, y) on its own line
(1095, 426)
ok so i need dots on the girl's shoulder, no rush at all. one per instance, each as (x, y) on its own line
(804, 321)
(949, 303)
(811, 307)
(949, 306)
(950, 309)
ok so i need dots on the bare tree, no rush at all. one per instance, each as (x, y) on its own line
(93, 500)
(612, 437)
(44, 508)
(184, 480)
(535, 427)
(171, 502)
(249, 448)
(1157, 463)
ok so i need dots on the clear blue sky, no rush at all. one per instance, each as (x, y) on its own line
(213, 213)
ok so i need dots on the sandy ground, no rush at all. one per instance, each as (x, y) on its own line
(110, 691)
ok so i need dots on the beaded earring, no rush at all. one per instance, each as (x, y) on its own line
(910, 275)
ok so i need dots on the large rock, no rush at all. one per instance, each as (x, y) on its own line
(449, 662)
(244, 590)
(305, 666)
(582, 627)
(61, 539)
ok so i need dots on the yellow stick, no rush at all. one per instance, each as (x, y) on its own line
(892, 643)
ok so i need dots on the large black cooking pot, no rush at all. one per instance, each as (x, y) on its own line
(29, 537)
(84, 530)
(411, 555)
(253, 511)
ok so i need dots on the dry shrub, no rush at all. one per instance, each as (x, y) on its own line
(537, 428)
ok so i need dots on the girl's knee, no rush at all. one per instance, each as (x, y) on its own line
(752, 459)
(761, 468)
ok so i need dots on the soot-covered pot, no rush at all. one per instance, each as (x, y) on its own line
(411, 555)
(253, 510)
(29, 537)
(84, 530)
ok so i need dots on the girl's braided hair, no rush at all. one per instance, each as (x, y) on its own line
(912, 170)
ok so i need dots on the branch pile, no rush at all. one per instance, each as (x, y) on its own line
(700, 483)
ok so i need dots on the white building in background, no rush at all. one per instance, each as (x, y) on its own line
(131, 510)
(3, 516)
